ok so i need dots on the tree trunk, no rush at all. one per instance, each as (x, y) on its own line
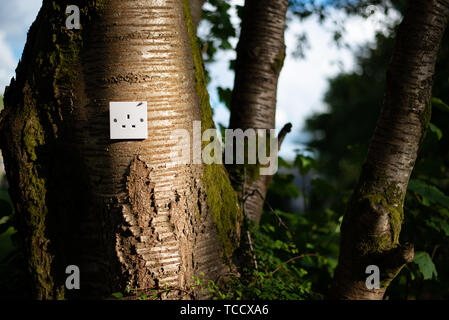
(196, 8)
(372, 222)
(120, 210)
(260, 57)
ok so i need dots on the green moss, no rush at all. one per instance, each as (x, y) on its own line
(278, 62)
(390, 201)
(223, 203)
(50, 54)
(221, 197)
(40, 260)
(200, 77)
(252, 170)
(32, 134)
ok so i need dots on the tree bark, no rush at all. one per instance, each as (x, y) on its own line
(260, 57)
(372, 222)
(196, 8)
(120, 210)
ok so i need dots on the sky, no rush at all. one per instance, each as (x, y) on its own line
(302, 82)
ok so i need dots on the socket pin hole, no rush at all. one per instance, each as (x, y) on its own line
(133, 125)
(127, 116)
(123, 126)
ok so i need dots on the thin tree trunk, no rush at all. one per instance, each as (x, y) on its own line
(260, 57)
(372, 222)
(118, 209)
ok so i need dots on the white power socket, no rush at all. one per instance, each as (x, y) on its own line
(128, 120)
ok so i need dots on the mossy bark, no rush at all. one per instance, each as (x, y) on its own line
(371, 227)
(38, 161)
(117, 209)
(221, 197)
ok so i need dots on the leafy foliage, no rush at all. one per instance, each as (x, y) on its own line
(429, 194)
(220, 29)
(277, 271)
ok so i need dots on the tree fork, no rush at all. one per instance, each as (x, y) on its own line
(372, 221)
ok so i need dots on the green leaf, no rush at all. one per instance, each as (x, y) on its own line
(425, 265)
(4, 226)
(439, 104)
(117, 295)
(436, 130)
(430, 194)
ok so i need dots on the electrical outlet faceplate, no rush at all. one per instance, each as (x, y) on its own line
(128, 120)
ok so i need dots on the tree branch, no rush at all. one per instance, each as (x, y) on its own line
(283, 133)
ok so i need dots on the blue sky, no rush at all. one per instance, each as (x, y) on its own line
(302, 82)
